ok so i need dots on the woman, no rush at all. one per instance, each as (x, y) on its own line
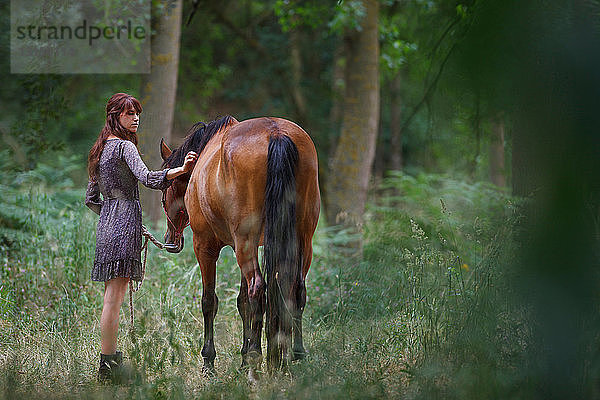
(114, 167)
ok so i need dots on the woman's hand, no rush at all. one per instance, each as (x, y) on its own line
(188, 165)
(190, 161)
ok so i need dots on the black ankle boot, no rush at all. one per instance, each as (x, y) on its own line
(110, 368)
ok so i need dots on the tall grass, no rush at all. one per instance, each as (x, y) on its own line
(422, 315)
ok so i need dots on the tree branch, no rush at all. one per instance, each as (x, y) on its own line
(429, 90)
(294, 92)
(223, 19)
(431, 87)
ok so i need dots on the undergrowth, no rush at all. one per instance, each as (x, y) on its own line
(423, 315)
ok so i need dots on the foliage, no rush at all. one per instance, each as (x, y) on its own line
(42, 101)
(238, 62)
(447, 249)
(384, 327)
(459, 215)
(295, 15)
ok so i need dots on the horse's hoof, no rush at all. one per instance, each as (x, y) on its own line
(253, 376)
(209, 370)
(298, 355)
(244, 365)
(254, 373)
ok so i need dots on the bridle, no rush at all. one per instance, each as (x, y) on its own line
(185, 221)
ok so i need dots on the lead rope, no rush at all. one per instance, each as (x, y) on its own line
(147, 237)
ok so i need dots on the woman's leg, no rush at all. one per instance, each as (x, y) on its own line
(114, 293)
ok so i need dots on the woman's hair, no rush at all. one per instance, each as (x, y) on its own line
(118, 103)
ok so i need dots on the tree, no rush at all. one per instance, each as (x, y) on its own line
(497, 174)
(396, 25)
(351, 164)
(158, 92)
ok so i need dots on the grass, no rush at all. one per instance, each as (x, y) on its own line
(421, 316)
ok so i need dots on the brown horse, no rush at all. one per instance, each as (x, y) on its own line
(254, 183)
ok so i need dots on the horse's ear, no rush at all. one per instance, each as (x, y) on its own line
(165, 151)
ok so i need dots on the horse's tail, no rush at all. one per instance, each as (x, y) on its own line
(281, 260)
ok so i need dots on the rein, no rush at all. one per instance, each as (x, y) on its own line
(134, 288)
(149, 237)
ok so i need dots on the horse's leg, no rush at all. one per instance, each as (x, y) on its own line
(207, 258)
(247, 258)
(298, 351)
(243, 305)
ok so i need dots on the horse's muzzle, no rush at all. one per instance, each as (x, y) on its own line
(173, 247)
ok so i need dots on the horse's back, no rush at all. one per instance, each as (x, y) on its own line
(244, 150)
(236, 178)
(249, 140)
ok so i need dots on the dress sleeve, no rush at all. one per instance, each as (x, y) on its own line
(151, 179)
(92, 197)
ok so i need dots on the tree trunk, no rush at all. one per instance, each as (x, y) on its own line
(477, 131)
(353, 158)
(380, 161)
(497, 171)
(296, 70)
(395, 124)
(525, 165)
(335, 116)
(158, 97)
(337, 94)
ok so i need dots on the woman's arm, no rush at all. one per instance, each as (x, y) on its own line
(150, 179)
(154, 179)
(92, 197)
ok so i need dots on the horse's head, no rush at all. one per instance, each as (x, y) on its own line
(173, 197)
(174, 206)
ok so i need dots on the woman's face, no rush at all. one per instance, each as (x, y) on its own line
(130, 120)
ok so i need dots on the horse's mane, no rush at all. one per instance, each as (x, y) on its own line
(196, 140)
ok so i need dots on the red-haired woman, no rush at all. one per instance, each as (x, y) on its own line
(115, 167)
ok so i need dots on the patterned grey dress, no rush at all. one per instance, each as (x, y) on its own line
(119, 230)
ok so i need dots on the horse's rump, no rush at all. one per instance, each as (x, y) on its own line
(233, 177)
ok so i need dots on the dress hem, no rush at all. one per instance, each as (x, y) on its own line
(128, 268)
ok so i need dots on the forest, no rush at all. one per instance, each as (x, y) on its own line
(457, 250)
